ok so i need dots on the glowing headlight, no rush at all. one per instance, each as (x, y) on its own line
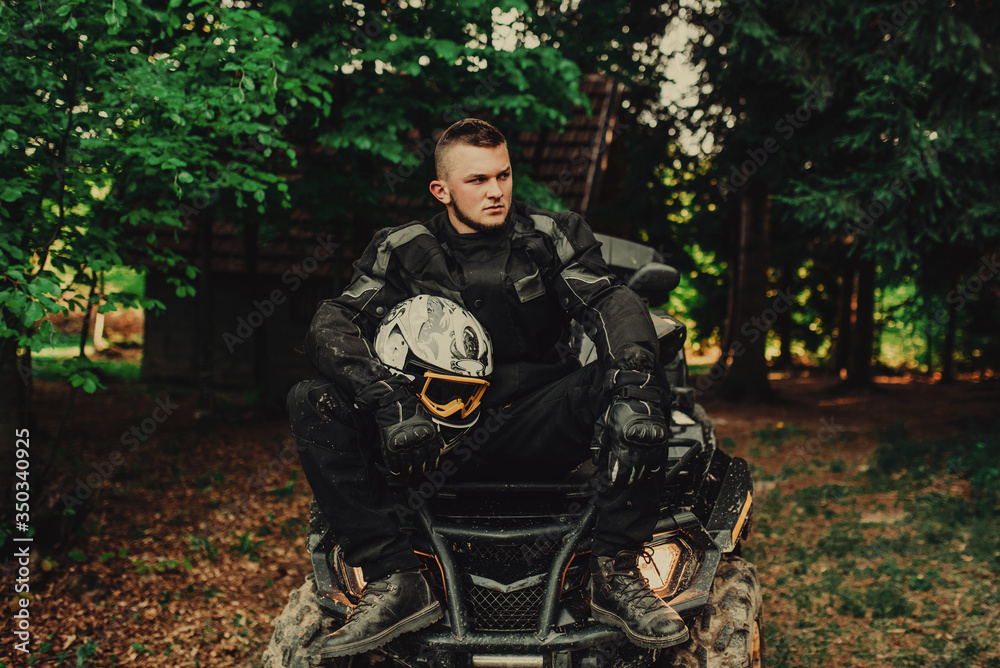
(666, 566)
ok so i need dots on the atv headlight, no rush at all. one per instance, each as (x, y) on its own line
(670, 556)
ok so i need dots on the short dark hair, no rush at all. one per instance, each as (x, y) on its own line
(468, 131)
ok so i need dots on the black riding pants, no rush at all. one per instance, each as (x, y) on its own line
(543, 435)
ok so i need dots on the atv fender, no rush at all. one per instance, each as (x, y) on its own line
(732, 510)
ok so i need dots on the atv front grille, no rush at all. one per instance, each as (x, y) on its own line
(527, 555)
(494, 610)
(504, 562)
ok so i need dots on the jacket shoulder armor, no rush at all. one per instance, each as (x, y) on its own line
(390, 239)
(564, 229)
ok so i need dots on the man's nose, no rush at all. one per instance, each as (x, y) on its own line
(494, 191)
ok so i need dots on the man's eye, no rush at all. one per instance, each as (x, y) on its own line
(505, 176)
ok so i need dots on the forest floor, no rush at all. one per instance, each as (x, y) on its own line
(876, 528)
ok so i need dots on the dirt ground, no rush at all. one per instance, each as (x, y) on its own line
(182, 548)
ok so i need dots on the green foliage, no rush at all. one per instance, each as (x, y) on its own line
(86, 651)
(249, 547)
(877, 132)
(202, 544)
(382, 80)
(114, 120)
(284, 492)
(160, 566)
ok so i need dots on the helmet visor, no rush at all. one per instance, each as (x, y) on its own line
(444, 395)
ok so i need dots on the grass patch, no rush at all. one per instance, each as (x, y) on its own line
(910, 556)
(777, 436)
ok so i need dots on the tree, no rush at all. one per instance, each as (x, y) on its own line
(115, 118)
(874, 123)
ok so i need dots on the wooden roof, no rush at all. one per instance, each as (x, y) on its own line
(572, 161)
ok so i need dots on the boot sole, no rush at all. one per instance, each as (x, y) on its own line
(414, 622)
(646, 642)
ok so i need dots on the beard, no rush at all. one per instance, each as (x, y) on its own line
(475, 224)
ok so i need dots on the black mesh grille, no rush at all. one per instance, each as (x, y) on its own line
(511, 611)
(505, 562)
(508, 555)
(493, 610)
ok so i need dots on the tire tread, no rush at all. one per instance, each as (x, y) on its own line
(720, 635)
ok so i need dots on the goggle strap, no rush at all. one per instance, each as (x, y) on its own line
(398, 394)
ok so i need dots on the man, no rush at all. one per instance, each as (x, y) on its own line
(523, 273)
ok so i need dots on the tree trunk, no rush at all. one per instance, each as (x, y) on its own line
(845, 317)
(784, 324)
(91, 309)
(860, 370)
(948, 350)
(929, 354)
(732, 313)
(250, 251)
(204, 328)
(746, 379)
(15, 411)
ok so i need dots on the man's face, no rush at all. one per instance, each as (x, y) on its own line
(477, 188)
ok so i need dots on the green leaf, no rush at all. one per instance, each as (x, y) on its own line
(10, 135)
(34, 312)
(77, 556)
(446, 49)
(10, 194)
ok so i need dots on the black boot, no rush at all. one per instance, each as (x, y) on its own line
(621, 596)
(389, 607)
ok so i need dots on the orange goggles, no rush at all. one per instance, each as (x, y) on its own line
(444, 395)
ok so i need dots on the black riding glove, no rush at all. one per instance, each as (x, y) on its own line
(408, 437)
(630, 439)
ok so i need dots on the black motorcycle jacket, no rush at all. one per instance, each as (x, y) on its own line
(523, 282)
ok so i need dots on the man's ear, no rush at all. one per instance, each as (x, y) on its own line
(440, 191)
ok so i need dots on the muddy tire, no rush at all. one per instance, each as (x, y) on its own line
(299, 631)
(727, 633)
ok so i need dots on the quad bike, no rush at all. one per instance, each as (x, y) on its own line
(508, 561)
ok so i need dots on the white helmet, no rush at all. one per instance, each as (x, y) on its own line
(438, 340)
